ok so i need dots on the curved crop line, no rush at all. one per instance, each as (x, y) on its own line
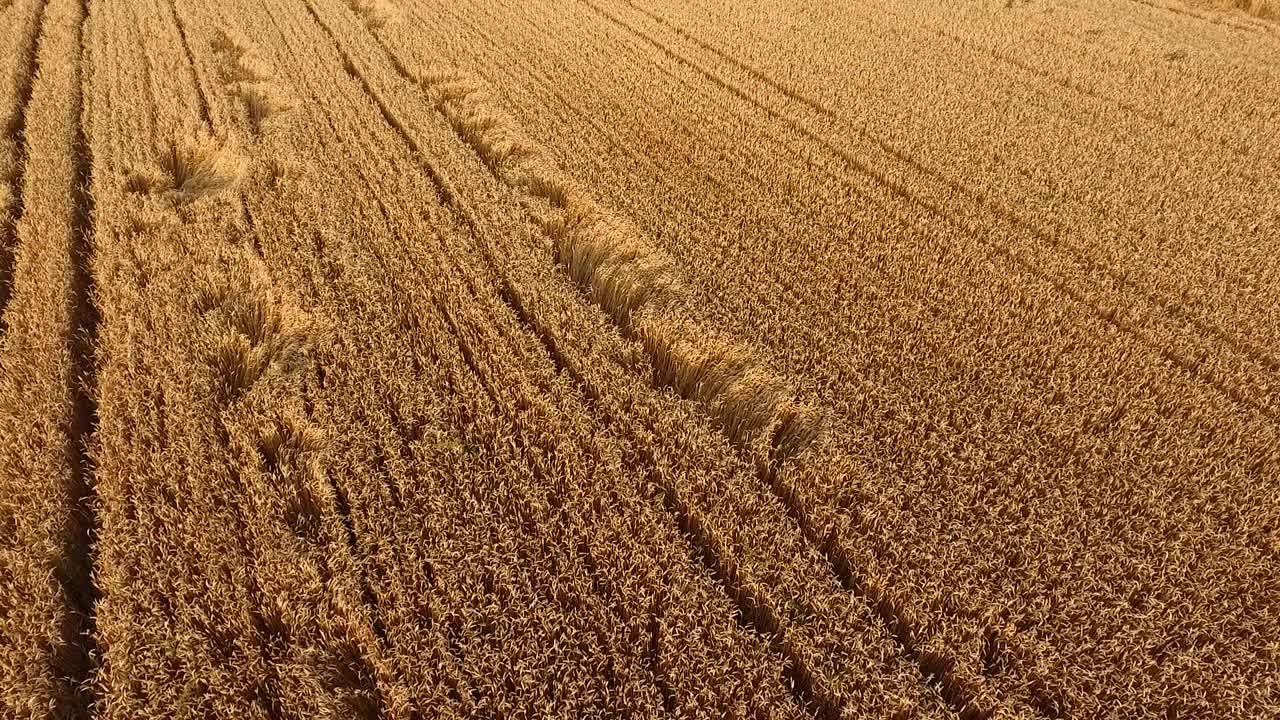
(202, 102)
(749, 69)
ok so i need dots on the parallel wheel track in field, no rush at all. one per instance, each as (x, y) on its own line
(1185, 362)
(759, 75)
(1204, 16)
(202, 101)
(1044, 236)
(752, 614)
(446, 194)
(995, 253)
(83, 524)
(935, 669)
(16, 132)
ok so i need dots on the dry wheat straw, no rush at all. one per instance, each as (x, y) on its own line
(629, 278)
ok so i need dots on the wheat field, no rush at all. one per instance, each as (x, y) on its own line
(639, 358)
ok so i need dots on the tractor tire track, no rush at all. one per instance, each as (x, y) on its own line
(14, 131)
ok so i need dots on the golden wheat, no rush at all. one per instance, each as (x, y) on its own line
(397, 359)
(46, 521)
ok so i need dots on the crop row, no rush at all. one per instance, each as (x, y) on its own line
(46, 374)
(315, 397)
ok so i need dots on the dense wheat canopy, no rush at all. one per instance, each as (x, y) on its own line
(512, 359)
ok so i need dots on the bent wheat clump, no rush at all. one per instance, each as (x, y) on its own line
(607, 258)
(257, 333)
(188, 168)
(262, 100)
(753, 406)
(200, 166)
(1267, 9)
(635, 283)
(375, 13)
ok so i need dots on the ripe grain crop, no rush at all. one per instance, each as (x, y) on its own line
(17, 69)
(402, 359)
(1257, 8)
(636, 284)
(46, 370)
(587, 125)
